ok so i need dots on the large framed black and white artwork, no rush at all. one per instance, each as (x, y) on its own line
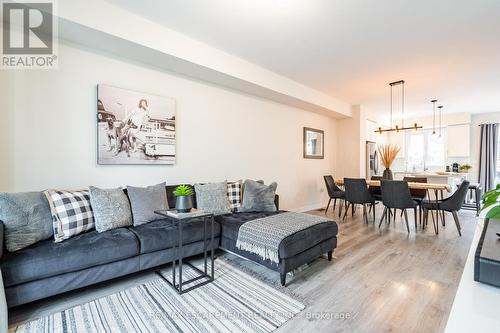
(134, 127)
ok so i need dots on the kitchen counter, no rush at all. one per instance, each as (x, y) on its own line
(453, 179)
(476, 305)
(432, 174)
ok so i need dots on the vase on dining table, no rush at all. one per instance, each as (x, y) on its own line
(388, 154)
(387, 174)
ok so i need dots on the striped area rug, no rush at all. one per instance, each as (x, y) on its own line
(233, 302)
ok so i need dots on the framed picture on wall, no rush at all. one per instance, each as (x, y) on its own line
(134, 127)
(313, 143)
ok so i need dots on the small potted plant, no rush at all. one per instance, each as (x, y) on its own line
(491, 207)
(388, 154)
(465, 168)
(183, 201)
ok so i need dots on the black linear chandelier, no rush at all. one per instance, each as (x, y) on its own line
(397, 128)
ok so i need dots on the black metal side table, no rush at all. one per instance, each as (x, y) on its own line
(178, 221)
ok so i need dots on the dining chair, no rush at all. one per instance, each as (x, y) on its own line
(334, 193)
(417, 194)
(451, 204)
(375, 191)
(396, 195)
(356, 193)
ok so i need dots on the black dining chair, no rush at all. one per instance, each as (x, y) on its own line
(451, 204)
(396, 195)
(356, 193)
(334, 192)
(417, 194)
(375, 190)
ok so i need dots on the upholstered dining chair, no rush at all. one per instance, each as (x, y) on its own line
(375, 190)
(334, 193)
(451, 204)
(417, 194)
(356, 193)
(396, 195)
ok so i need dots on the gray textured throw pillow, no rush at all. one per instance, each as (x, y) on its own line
(145, 200)
(111, 208)
(26, 217)
(213, 198)
(258, 197)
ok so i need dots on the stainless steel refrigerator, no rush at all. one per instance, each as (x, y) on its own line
(372, 168)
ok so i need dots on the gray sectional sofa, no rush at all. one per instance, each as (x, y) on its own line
(48, 268)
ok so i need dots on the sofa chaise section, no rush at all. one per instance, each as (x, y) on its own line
(294, 251)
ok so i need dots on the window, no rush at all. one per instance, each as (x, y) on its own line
(425, 151)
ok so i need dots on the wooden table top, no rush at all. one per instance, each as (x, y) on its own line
(416, 186)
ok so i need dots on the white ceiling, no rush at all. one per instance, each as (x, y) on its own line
(351, 49)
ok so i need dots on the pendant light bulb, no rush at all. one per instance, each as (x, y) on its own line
(434, 118)
(440, 107)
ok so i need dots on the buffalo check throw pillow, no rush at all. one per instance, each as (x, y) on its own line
(71, 213)
(234, 195)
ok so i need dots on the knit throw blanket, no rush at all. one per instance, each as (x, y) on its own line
(263, 236)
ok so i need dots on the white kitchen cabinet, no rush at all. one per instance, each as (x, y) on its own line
(458, 140)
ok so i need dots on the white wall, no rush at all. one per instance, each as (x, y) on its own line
(222, 134)
(7, 107)
(351, 145)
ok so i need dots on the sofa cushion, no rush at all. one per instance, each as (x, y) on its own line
(111, 208)
(161, 234)
(258, 197)
(26, 217)
(213, 198)
(234, 194)
(291, 245)
(145, 201)
(46, 258)
(71, 213)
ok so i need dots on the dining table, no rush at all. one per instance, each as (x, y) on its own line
(437, 188)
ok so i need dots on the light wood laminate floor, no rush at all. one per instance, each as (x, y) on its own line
(379, 280)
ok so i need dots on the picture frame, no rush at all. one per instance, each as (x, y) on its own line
(313, 143)
(134, 128)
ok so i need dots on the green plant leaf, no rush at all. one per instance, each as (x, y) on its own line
(491, 206)
(491, 198)
(493, 193)
(494, 213)
(488, 204)
(183, 191)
